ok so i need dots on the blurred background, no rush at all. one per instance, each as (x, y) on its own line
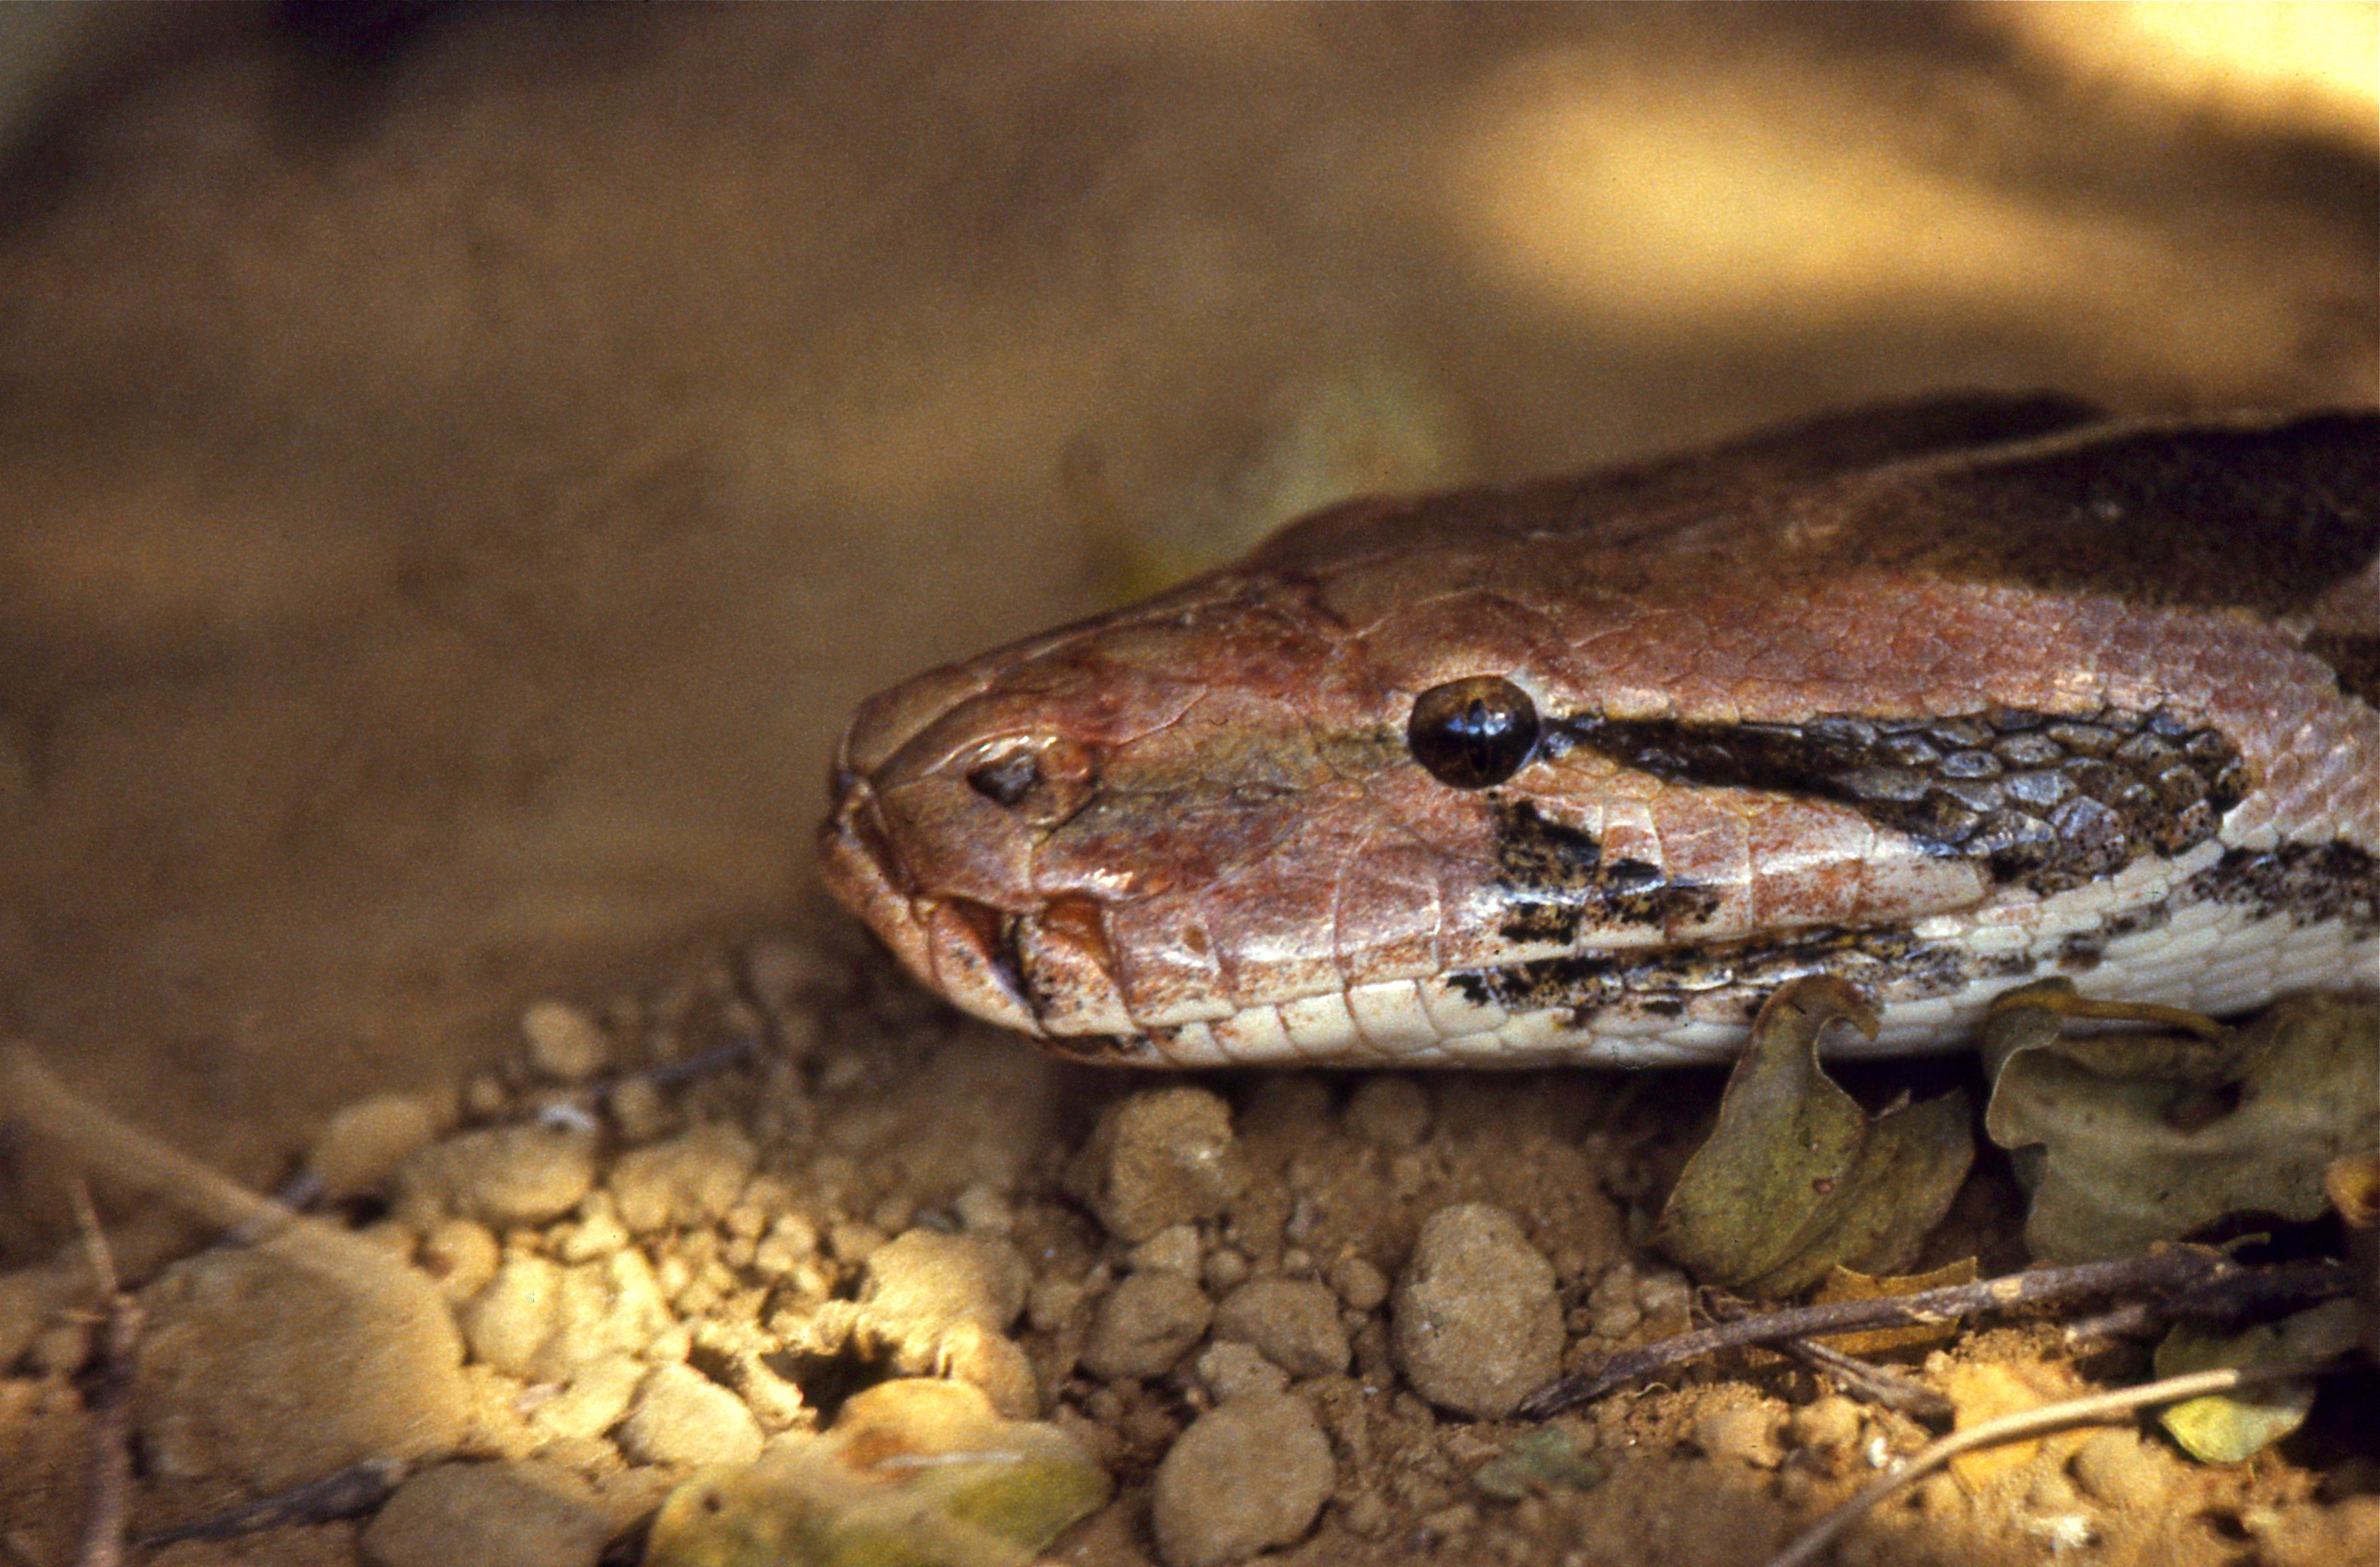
(459, 468)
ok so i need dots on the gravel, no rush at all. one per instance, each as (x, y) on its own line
(684, 1419)
(488, 1515)
(1246, 1476)
(564, 1044)
(1477, 1325)
(1293, 1322)
(502, 1176)
(1162, 1156)
(1144, 1325)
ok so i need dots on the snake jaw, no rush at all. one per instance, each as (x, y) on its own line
(957, 947)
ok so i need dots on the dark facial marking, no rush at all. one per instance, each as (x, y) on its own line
(2048, 801)
(1663, 980)
(2263, 519)
(1556, 879)
(2306, 883)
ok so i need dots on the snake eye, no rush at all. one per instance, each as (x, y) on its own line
(1473, 733)
(1008, 778)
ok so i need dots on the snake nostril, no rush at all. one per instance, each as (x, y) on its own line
(1008, 778)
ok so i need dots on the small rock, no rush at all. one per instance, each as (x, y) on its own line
(595, 1399)
(1235, 1370)
(1246, 1476)
(542, 1321)
(364, 1143)
(996, 1366)
(564, 1044)
(983, 1210)
(925, 1279)
(681, 1417)
(1745, 1433)
(505, 1176)
(1162, 1157)
(1052, 1301)
(1827, 1424)
(1144, 1325)
(1293, 1321)
(462, 1255)
(1477, 1325)
(791, 1241)
(1662, 1292)
(639, 1112)
(1611, 1304)
(1174, 1249)
(598, 1233)
(1389, 1112)
(687, 1183)
(2119, 1469)
(1361, 1284)
(260, 1369)
(1225, 1270)
(489, 1515)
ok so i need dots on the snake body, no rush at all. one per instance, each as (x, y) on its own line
(1941, 697)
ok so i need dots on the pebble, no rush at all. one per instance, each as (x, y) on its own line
(1828, 1425)
(1052, 1301)
(1174, 1249)
(1360, 1283)
(364, 1143)
(1612, 1308)
(682, 1417)
(542, 1321)
(1389, 1112)
(1144, 1325)
(489, 1515)
(1236, 1370)
(1477, 1323)
(638, 1110)
(505, 1176)
(1745, 1433)
(996, 1366)
(2117, 1468)
(595, 1399)
(1246, 1476)
(984, 1211)
(1164, 1155)
(1225, 1270)
(564, 1044)
(272, 1373)
(462, 1255)
(687, 1183)
(791, 1241)
(1293, 1322)
(924, 1279)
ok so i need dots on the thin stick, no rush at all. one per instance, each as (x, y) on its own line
(2032, 1423)
(2168, 1271)
(29, 1092)
(108, 1400)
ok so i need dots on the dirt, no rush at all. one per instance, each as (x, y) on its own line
(462, 477)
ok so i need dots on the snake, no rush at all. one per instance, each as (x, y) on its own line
(1941, 697)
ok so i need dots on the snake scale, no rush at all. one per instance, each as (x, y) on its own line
(1940, 698)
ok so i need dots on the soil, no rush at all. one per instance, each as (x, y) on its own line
(464, 470)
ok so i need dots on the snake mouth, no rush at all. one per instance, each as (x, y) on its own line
(961, 950)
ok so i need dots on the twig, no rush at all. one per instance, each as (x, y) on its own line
(1871, 1381)
(108, 1401)
(2032, 1423)
(31, 1093)
(2168, 1271)
(346, 1493)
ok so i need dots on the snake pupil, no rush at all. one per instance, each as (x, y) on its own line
(1006, 779)
(1473, 733)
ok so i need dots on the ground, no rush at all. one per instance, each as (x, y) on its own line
(462, 474)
